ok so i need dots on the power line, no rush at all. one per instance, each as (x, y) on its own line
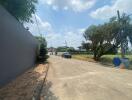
(37, 25)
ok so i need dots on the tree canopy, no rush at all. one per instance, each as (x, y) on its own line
(41, 40)
(22, 10)
(42, 54)
(65, 49)
(105, 38)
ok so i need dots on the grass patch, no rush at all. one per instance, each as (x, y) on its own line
(83, 57)
(105, 60)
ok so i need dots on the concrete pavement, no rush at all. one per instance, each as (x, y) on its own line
(70, 79)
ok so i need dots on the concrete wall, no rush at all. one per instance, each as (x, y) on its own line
(17, 48)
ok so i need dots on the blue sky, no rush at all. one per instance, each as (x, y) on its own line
(66, 20)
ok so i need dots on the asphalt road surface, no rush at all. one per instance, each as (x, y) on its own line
(70, 79)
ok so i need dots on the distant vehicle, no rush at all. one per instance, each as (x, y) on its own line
(66, 55)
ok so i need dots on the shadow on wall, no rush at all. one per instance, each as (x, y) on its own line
(47, 94)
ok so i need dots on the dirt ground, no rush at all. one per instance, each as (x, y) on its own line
(22, 87)
(70, 79)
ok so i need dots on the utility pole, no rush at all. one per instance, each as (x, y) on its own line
(121, 35)
(38, 26)
(66, 45)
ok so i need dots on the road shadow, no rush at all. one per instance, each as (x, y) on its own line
(106, 64)
(47, 94)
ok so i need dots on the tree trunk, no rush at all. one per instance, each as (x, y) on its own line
(94, 56)
(97, 57)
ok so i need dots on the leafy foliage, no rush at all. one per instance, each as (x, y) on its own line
(86, 46)
(42, 54)
(62, 49)
(105, 39)
(41, 40)
(22, 10)
(65, 49)
(70, 49)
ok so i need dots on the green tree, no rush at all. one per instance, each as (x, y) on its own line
(70, 49)
(65, 49)
(125, 33)
(62, 49)
(42, 50)
(41, 40)
(86, 46)
(22, 10)
(105, 39)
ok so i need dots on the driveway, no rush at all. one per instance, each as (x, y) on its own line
(70, 79)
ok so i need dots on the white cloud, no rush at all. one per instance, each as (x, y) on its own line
(108, 11)
(79, 5)
(43, 26)
(49, 2)
(55, 8)
(74, 5)
(65, 8)
(73, 37)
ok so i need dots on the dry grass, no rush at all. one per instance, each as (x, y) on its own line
(22, 87)
(84, 57)
(105, 60)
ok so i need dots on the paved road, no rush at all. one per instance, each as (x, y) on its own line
(79, 80)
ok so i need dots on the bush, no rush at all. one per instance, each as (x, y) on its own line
(42, 55)
(42, 49)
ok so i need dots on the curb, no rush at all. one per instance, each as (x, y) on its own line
(38, 89)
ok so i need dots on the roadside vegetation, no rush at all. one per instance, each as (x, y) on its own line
(22, 10)
(106, 41)
(106, 38)
(42, 49)
(105, 59)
